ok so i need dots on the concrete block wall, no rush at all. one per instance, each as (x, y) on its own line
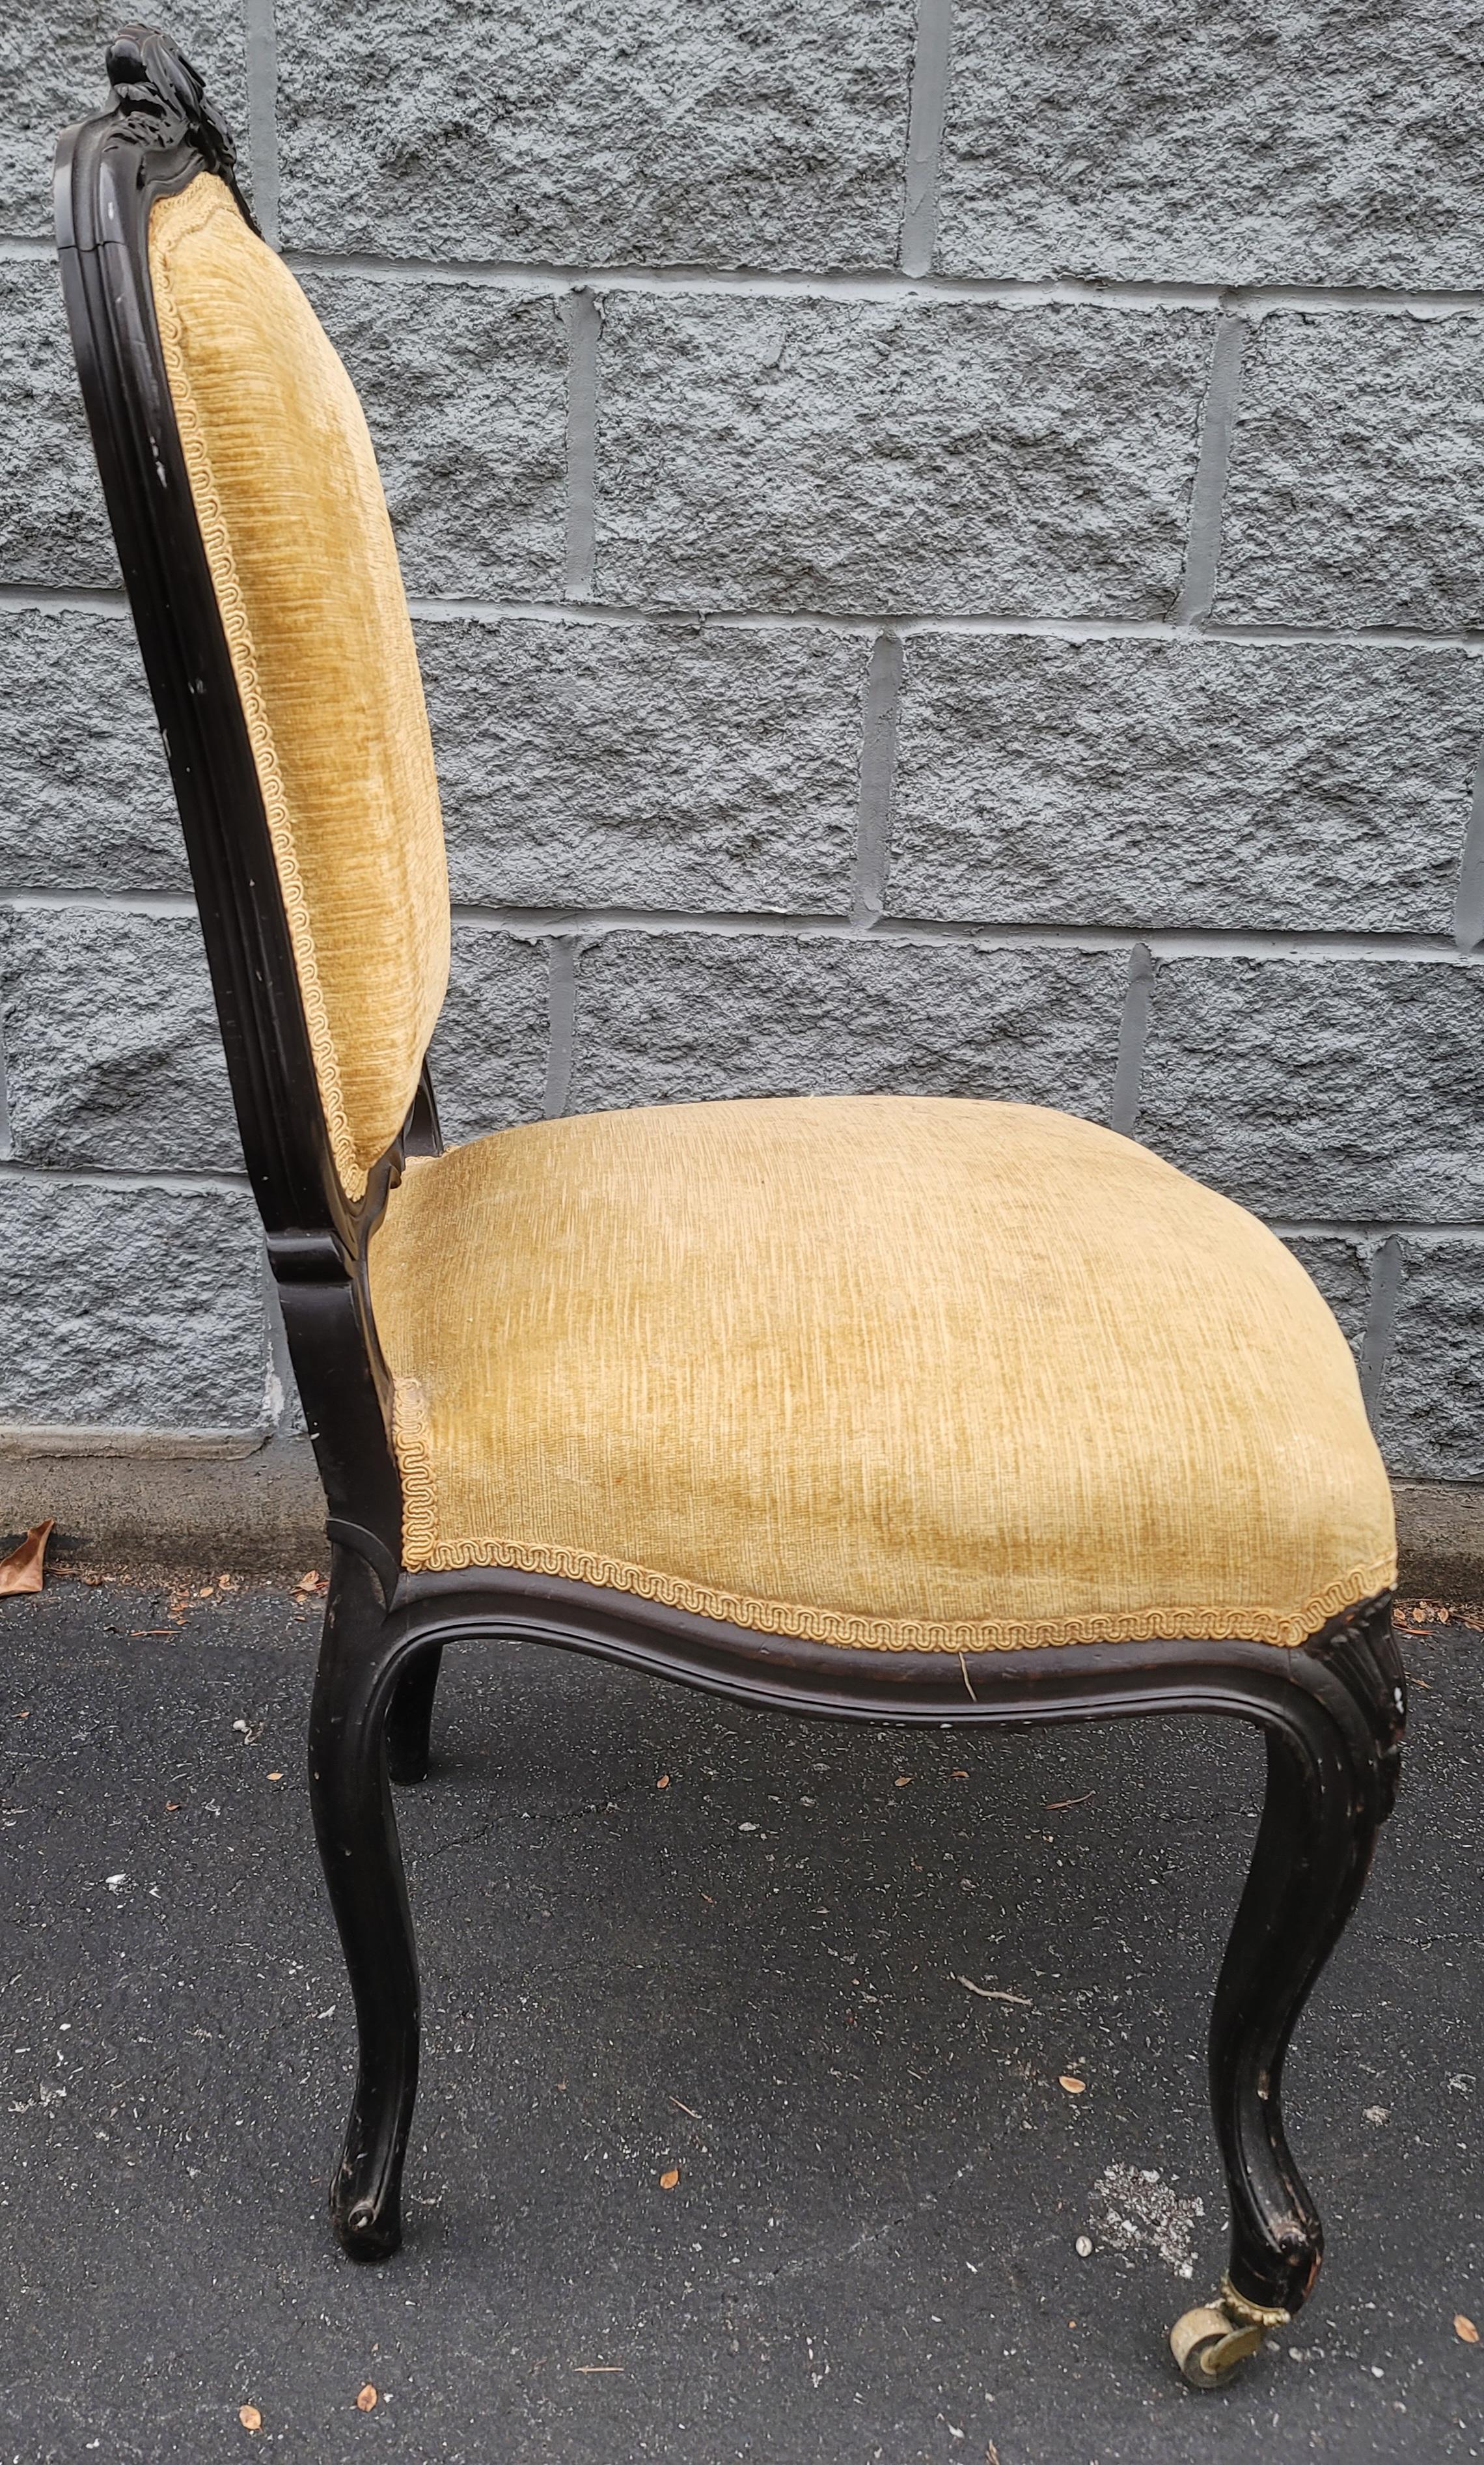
(948, 550)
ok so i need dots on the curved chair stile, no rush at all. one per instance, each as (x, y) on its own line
(1331, 1703)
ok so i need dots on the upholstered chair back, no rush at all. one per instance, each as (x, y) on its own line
(304, 568)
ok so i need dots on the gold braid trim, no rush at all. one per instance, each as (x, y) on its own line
(422, 1549)
(177, 217)
(419, 1482)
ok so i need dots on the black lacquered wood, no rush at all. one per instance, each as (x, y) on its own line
(1332, 1713)
(409, 1722)
(356, 1830)
(158, 136)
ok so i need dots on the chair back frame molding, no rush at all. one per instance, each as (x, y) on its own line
(1332, 1711)
(110, 170)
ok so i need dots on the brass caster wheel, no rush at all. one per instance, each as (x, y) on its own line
(1209, 2344)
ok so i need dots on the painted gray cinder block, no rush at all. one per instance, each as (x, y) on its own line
(786, 447)
(1212, 141)
(53, 527)
(1356, 493)
(599, 132)
(1342, 1270)
(54, 74)
(862, 455)
(464, 389)
(664, 1019)
(85, 797)
(1193, 782)
(112, 1050)
(489, 1054)
(132, 1308)
(1350, 1089)
(647, 766)
(1430, 1423)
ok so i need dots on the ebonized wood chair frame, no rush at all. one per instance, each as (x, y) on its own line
(1332, 1712)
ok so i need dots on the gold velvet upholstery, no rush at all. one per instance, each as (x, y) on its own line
(900, 1372)
(903, 1373)
(302, 555)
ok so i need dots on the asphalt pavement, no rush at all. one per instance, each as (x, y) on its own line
(744, 2132)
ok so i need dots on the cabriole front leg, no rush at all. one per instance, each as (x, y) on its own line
(361, 1664)
(1333, 1740)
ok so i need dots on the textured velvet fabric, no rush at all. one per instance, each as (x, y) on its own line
(904, 1372)
(302, 555)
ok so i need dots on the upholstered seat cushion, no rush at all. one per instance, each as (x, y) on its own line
(903, 1372)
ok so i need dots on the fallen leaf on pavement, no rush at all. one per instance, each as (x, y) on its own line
(670, 2177)
(1464, 2327)
(366, 2400)
(21, 1570)
(250, 2418)
(1073, 2086)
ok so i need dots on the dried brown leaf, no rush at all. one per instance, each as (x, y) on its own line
(669, 2178)
(1073, 2086)
(250, 2418)
(1463, 2328)
(365, 2402)
(22, 1570)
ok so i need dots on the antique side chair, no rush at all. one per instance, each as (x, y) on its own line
(882, 1408)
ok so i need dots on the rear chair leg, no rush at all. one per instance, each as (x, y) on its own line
(409, 1722)
(1333, 1752)
(355, 1687)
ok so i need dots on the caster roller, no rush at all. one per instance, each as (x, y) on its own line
(366, 2232)
(1209, 2344)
